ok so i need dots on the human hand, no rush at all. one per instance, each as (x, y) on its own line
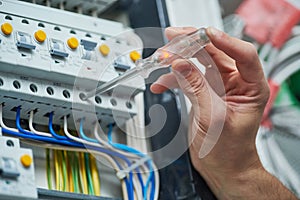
(227, 106)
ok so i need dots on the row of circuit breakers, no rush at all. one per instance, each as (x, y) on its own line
(57, 47)
(48, 57)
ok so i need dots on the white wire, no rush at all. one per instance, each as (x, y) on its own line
(282, 162)
(293, 41)
(100, 140)
(137, 187)
(265, 50)
(2, 123)
(106, 144)
(32, 129)
(271, 60)
(286, 72)
(287, 120)
(289, 49)
(76, 138)
(156, 177)
(265, 53)
(296, 30)
(136, 135)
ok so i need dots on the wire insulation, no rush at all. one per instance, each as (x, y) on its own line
(95, 175)
(49, 174)
(62, 178)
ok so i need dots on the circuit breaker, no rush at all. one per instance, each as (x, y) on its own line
(17, 179)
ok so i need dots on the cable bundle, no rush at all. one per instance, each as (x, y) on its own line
(128, 162)
(73, 172)
(279, 137)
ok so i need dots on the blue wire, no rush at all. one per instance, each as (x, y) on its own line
(30, 135)
(152, 192)
(149, 179)
(152, 180)
(121, 146)
(131, 150)
(18, 124)
(50, 126)
(83, 135)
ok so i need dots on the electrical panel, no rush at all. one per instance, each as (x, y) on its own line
(49, 57)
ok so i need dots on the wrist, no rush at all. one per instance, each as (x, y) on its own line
(231, 184)
(254, 183)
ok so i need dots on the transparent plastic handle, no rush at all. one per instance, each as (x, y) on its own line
(183, 46)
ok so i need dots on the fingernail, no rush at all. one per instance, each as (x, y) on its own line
(214, 32)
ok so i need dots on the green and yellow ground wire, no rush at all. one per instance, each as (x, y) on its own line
(88, 174)
(73, 172)
(49, 174)
(95, 175)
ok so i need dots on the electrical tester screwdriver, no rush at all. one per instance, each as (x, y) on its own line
(183, 46)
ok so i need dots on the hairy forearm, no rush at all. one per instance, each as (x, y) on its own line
(254, 184)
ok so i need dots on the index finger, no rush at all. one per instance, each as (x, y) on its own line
(223, 61)
(244, 54)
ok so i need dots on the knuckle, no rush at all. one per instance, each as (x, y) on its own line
(251, 51)
(202, 123)
(198, 85)
(194, 85)
(265, 94)
(251, 47)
